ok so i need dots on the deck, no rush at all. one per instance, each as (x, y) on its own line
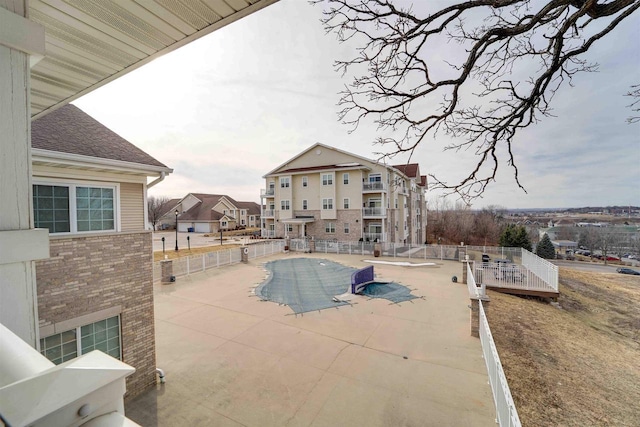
(513, 279)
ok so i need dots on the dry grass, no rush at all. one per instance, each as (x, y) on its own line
(171, 254)
(576, 364)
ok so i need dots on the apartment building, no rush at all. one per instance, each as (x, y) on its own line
(95, 292)
(328, 193)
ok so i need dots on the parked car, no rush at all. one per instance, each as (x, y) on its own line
(623, 270)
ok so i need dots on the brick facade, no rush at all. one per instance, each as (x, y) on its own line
(89, 274)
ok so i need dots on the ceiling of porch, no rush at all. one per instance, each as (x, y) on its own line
(92, 42)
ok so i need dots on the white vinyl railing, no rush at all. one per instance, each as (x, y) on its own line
(541, 268)
(196, 263)
(475, 291)
(506, 413)
(395, 250)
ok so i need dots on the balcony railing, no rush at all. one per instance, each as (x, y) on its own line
(269, 192)
(268, 213)
(374, 186)
(374, 212)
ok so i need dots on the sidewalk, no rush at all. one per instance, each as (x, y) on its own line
(231, 359)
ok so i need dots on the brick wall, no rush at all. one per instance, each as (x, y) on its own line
(88, 274)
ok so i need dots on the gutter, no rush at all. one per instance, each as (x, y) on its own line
(157, 180)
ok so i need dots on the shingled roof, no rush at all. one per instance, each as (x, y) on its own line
(71, 130)
(203, 211)
(409, 169)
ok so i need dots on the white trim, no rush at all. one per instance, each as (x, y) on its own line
(40, 156)
(19, 33)
(73, 220)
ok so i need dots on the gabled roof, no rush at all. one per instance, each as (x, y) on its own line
(324, 167)
(411, 170)
(203, 211)
(168, 206)
(423, 181)
(316, 145)
(70, 130)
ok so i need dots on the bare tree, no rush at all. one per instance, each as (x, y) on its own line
(155, 208)
(514, 56)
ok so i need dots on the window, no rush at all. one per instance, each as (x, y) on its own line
(304, 205)
(345, 203)
(329, 227)
(396, 203)
(345, 178)
(327, 204)
(289, 228)
(103, 335)
(285, 182)
(284, 205)
(71, 208)
(375, 177)
(243, 212)
(305, 181)
(327, 179)
(346, 228)
(223, 224)
(243, 222)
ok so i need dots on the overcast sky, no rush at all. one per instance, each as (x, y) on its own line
(228, 108)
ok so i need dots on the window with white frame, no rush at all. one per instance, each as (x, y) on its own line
(305, 181)
(289, 228)
(285, 205)
(103, 335)
(305, 205)
(74, 208)
(285, 182)
(243, 212)
(327, 179)
(223, 224)
(345, 178)
(346, 228)
(327, 204)
(345, 203)
(329, 227)
(243, 222)
(396, 203)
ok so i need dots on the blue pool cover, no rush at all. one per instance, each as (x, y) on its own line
(309, 284)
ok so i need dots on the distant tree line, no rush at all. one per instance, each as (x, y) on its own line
(450, 224)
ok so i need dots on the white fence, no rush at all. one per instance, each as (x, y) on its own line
(506, 413)
(541, 268)
(395, 250)
(475, 291)
(195, 263)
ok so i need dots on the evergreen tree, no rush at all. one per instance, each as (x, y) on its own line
(515, 236)
(545, 248)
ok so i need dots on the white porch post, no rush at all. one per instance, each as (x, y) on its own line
(20, 244)
(302, 234)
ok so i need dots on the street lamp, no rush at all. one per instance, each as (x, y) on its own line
(176, 229)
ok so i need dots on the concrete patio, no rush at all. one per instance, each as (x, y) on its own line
(233, 360)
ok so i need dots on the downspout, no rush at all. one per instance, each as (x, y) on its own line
(146, 203)
(157, 180)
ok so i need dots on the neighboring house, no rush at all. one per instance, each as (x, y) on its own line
(96, 289)
(327, 193)
(210, 213)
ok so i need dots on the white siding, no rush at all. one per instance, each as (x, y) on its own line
(132, 207)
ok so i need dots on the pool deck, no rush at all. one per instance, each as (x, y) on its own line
(233, 360)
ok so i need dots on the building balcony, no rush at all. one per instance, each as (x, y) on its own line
(268, 213)
(374, 213)
(374, 187)
(269, 192)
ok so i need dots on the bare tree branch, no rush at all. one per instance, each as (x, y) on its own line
(514, 56)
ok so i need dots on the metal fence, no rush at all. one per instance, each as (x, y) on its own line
(195, 263)
(394, 250)
(541, 268)
(506, 413)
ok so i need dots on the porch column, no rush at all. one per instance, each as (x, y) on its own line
(302, 234)
(21, 41)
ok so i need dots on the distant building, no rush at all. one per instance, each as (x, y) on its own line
(327, 193)
(209, 213)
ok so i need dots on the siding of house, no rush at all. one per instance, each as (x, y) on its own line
(94, 274)
(131, 207)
